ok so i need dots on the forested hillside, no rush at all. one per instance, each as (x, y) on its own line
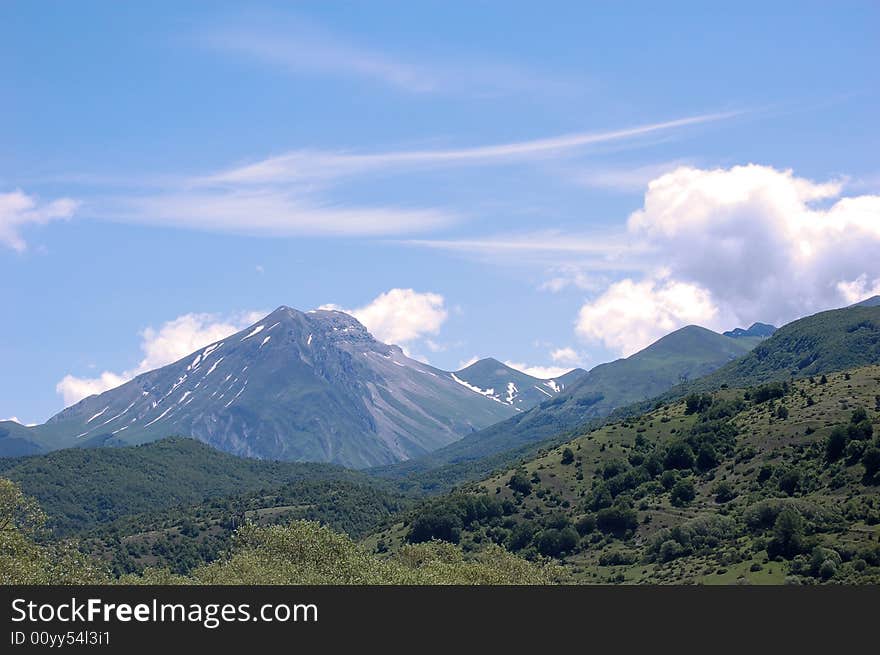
(758, 485)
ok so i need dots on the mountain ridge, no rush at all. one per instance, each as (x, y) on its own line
(298, 386)
(687, 353)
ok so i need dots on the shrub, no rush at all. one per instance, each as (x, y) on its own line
(567, 456)
(724, 492)
(618, 558)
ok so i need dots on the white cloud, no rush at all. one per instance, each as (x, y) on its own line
(733, 246)
(172, 341)
(566, 356)
(309, 164)
(630, 315)
(541, 372)
(401, 316)
(572, 275)
(859, 289)
(268, 211)
(565, 253)
(18, 209)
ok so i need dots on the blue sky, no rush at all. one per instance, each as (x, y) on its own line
(552, 184)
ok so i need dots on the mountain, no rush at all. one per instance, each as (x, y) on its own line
(313, 386)
(507, 385)
(822, 343)
(686, 354)
(761, 330)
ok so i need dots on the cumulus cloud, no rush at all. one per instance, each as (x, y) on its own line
(170, 342)
(748, 243)
(566, 356)
(541, 372)
(401, 316)
(630, 315)
(18, 209)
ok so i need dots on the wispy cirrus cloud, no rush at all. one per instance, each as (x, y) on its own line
(269, 212)
(300, 165)
(301, 47)
(293, 194)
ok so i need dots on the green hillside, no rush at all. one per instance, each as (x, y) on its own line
(822, 343)
(754, 485)
(81, 489)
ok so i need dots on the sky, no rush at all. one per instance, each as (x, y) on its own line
(552, 184)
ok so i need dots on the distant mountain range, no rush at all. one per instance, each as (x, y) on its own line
(761, 330)
(823, 343)
(686, 354)
(302, 386)
(507, 385)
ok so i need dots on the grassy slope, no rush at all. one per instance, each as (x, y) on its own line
(794, 443)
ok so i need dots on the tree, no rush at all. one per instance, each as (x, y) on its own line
(679, 456)
(707, 458)
(617, 519)
(520, 483)
(790, 481)
(17, 511)
(682, 493)
(553, 542)
(521, 536)
(567, 456)
(430, 525)
(871, 462)
(696, 403)
(586, 524)
(788, 534)
(836, 443)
